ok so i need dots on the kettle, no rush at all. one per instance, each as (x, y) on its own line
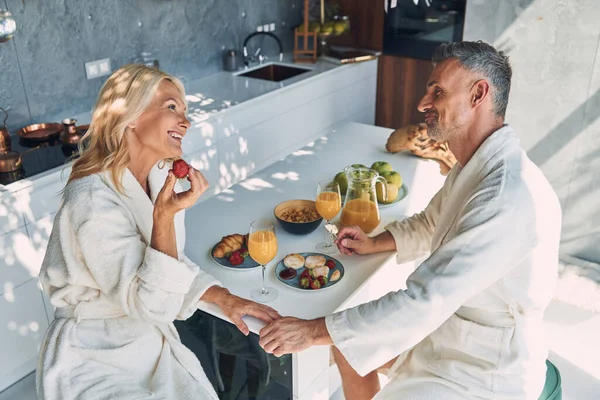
(231, 60)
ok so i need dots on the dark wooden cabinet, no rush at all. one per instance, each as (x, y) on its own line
(401, 81)
(401, 84)
(366, 24)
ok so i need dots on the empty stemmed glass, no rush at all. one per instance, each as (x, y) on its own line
(329, 203)
(262, 247)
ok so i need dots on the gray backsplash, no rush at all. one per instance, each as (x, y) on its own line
(42, 70)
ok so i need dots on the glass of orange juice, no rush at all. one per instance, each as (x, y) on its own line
(329, 204)
(262, 247)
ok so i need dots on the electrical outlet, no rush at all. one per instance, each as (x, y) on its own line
(259, 28)
(266, 27)
(97, 68)
(272, 26)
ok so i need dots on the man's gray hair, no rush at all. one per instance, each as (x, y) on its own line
(481, 58)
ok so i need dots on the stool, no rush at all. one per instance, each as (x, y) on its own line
(552, 387)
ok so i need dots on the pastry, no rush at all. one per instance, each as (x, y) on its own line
(320, 271)
(229, 244)
(314, 261)
(335, 276)
(293, 260)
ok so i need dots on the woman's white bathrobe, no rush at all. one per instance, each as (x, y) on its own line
(469, 324)
(116, 298)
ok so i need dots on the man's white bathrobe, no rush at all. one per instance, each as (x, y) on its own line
(116, 298)
(469, 324)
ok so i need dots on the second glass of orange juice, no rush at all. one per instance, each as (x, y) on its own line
(262, 247)
(329, 203)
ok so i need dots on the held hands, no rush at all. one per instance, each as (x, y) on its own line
(235, 308)
(292, 335)
(168, 203)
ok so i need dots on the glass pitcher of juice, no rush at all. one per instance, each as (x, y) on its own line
(360, 207)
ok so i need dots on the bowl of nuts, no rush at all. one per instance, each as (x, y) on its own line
(299, 217)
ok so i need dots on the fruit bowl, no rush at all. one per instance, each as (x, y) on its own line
(289, 216)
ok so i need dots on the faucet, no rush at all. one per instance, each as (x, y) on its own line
(257, 55)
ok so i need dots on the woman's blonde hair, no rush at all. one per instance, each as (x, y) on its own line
(123, 98)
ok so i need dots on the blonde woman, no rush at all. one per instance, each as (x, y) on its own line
(115, 269)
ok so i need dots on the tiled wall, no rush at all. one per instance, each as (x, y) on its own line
(42, 69)
(554, 47)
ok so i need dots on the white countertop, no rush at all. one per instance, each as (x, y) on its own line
(296, 177)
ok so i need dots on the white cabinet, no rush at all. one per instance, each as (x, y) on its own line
(247, 144)
(18, 261)
(11, 216)
(39, 233)
(23, 324)
(39, 202)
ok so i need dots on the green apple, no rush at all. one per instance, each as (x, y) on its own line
(382, 166)
(358, 166)
(392, 192)
(342, 180)
(393, 177)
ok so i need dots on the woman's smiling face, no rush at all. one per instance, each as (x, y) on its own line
(162, 126)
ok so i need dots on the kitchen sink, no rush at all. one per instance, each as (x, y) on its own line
(274, 72)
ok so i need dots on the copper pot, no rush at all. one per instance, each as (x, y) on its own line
(12, 161)
(5, 142)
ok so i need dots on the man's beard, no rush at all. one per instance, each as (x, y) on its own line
(435, 132)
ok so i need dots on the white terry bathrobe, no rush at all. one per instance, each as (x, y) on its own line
(116, 298)
(469, 324)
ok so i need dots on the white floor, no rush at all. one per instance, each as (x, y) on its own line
(573, 337)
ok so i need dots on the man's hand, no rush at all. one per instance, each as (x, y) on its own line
(352, 240)
(235, 308)
(292, 335)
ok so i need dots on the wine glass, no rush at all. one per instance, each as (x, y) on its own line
(329, 203)
(262, 247)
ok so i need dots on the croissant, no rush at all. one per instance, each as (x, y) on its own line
(228, 244)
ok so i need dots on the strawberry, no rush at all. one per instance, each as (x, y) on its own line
(322, 280)
(180, 168)
(330, 264)
(305, 274)
(304, 283)
(236, 259)
(315, 284)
